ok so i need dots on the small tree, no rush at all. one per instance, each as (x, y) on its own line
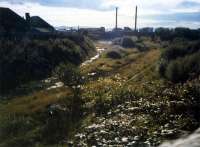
(70, 75)
(61, 117)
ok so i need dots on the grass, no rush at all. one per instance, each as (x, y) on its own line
(113, 73)
(132, 77)
(34, 102)
(135, 78)
(26, 120)
(124, 77)
(135, 67)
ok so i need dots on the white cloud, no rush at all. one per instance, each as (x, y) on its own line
(83, 16)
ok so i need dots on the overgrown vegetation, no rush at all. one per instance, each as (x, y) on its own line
(181, 32)
(131, 42)
(179, 62)
(27, 60)
(51, 125)
(113, 54)
(45, 117)
(121, 91)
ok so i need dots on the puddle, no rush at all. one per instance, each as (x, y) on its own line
(56, 85)
(99, 51)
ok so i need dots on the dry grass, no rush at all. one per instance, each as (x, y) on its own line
(119, 71)
(34, 102)
(136, 67)
(143, 61)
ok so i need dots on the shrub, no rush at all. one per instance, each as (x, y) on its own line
(174, 51)
(174, 71)
(162, 67)
(184, 68)
(141, 46)
(61, 117)
(179, 61)
(113, 55)
(28, 60)
(15, 131)
(128, 42)
(70, 75)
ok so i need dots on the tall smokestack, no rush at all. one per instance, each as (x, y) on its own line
(136, 19)
(116, 23)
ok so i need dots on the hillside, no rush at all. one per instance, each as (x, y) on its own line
(28, 60)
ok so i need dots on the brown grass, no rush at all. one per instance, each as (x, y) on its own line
(34, 102)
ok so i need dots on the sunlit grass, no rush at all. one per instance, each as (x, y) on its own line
(131, 77)
(33, 102)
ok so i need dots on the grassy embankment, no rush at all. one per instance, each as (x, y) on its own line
(28, 114)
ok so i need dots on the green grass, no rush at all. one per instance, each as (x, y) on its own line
(34, 102)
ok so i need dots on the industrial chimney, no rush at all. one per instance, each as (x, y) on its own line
(136, 19)
(116, 23)
(28, 18)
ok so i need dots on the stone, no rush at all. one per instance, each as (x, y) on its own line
(136, 138)
(131, 143)
(124, 139)
(192, 140)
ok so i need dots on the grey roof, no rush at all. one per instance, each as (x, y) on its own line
(11, 22)
(40, 24)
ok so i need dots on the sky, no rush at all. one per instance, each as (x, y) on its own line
(97, 13)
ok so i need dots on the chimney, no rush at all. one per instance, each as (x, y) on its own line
(136, 19)
(28, 18)
(116, 23)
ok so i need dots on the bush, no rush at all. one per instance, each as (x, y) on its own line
(173, 52)
(179, 61)
(27, 60)
(141, 46)
(173, 71)
(62, 116)
(184, 68)
(131, 42)
(128, 42)
(15, 131)
(170, 34)
(162, 67)
(70, 75)
(113, 55)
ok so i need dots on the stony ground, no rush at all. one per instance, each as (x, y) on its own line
(139, 122)
(126, 125)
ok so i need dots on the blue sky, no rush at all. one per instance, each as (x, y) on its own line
(96, 13)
